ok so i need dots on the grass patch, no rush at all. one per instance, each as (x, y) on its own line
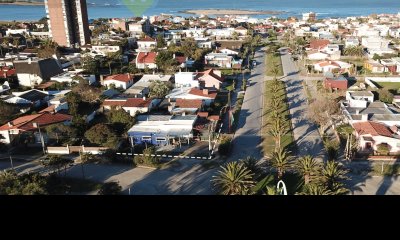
(230, 72)
(388, 85)
(388, 170)
(66, 185)
(272, 60)
(308, 93)
(287, 139)
(236, 111)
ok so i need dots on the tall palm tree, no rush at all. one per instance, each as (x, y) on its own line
(331, 174)
(280, 160)
(307, 166)
(251, 164)
(314, 189)
(233, 179)
(277, 131)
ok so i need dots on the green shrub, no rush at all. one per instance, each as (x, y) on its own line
(146, 159)
(225, 146)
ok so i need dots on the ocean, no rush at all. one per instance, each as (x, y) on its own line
(119, 8)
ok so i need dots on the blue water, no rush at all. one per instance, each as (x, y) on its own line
(324, 8)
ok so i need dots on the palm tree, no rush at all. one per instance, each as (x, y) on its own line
(277, 131)
(331, 175)
(234, 179)
(314, 189)
(251, 164)
(280, 160)
(307, 166)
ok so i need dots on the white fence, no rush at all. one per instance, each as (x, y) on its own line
(76, 149)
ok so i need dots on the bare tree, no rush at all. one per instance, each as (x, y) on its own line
(321, 110)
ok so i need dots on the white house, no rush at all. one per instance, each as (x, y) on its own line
(32, 72)
(360, 107)
(331, 66)
(316, 55)
(229, 51)
(372, 134)
(193, 93)
(68, 77)
(105, 49)
(146, 60)
(146, 44)
(162, 129)
(351, 42)
(123, 81)
(130, 105)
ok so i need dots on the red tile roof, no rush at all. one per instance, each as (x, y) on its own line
(25, 123)
(198, 92)
(146, 57)
(120, 77)
(188, 103)
(213, 118)
(327, 63)
(49, 109)
(7, 72)
(147, 39)
(319, 43)
(210, 72)
(203, 114)
(114, 103)
(137, 102)
(372, 128)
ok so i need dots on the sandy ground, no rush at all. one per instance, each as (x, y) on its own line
(228, 12)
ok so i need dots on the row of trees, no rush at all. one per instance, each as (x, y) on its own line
(245, 177)
(12, 183)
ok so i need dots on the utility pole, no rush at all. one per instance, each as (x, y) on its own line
(41, 137)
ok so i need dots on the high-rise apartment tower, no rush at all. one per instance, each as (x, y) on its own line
(68, 22)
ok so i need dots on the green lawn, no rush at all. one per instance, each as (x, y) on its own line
(268, 141)
(270, 60)
(387, 85)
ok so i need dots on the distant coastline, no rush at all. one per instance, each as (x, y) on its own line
(229, 12)
(23, 3)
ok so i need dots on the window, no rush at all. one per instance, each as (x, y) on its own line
(146, 138)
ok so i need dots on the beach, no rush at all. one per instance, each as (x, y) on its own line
(229, 12)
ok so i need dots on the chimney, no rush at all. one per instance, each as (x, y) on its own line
(169, 100)
(364, 117)
(181, 88)
(357, 111)
(205, 91)
(174, 56)
(29, 60)
(10, 124)
(144, 98)
(184, 113)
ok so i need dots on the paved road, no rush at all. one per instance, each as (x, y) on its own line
(247, 140)
(305, 132)
(374, 185)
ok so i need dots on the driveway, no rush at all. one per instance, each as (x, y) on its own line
(305, 133)
(247, 139)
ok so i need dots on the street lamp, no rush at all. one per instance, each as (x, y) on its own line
(281, 188)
